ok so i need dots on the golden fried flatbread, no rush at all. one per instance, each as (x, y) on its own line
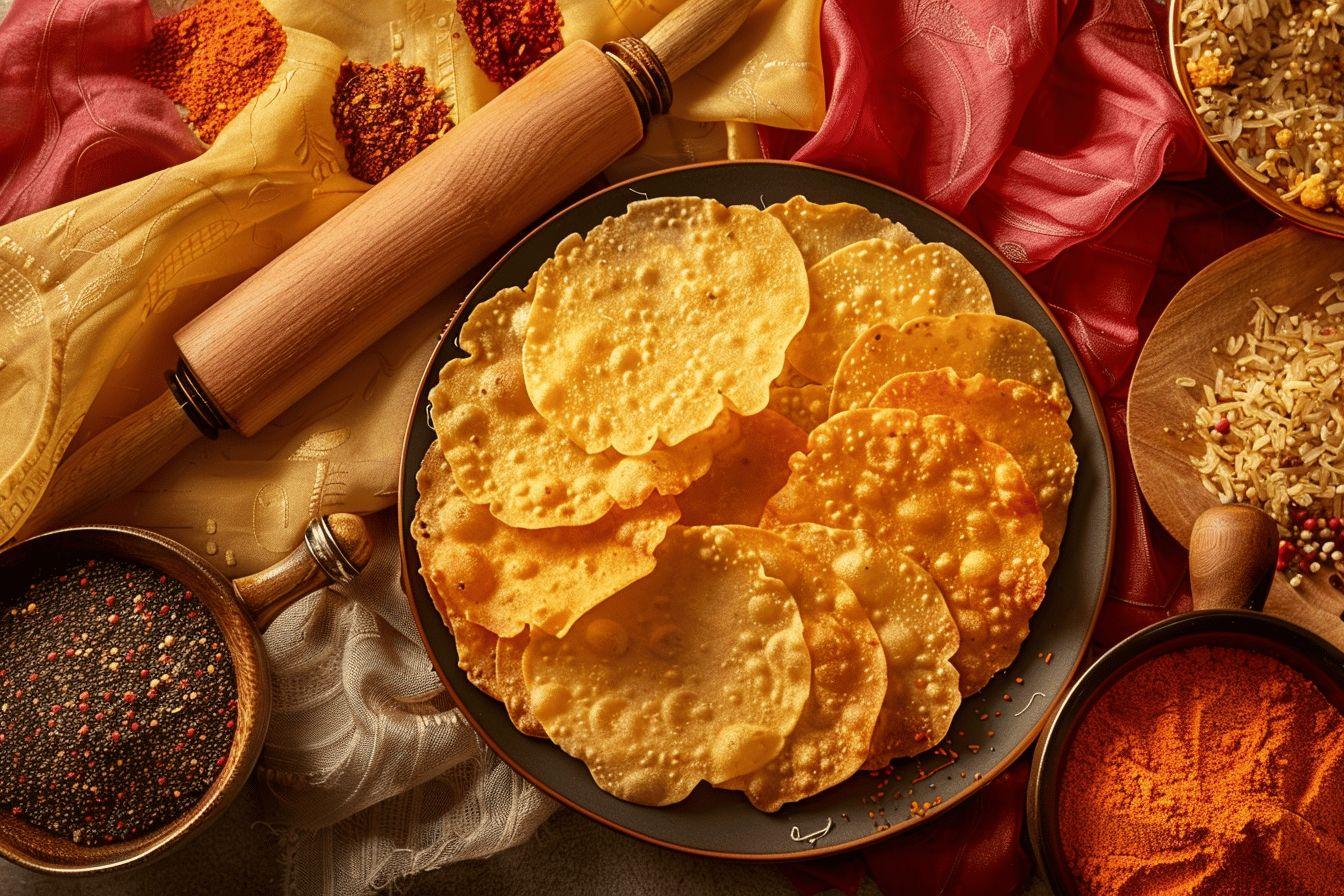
(957, 505)
(915, 627)
(877, 282)
(1019, 417)
(849, 681)
(475, 645)
(999, 347)
(820, 230)
(504, 578)
(511, 689)
(745, 474)
(698, 671)
(805, 406)
(649, 327)
(503, 454)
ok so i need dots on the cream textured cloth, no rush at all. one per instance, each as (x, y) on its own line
(369, 779)
(373, 778)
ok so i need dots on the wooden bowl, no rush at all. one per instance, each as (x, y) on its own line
(1284, 268)
(334, 549)
(1321, 222)
(1232, 555)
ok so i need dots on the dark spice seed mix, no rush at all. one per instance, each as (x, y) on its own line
(117, 701)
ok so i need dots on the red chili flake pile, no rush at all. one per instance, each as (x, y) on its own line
(117, 701)
(212, 58)
(511, 37)
(384, 115)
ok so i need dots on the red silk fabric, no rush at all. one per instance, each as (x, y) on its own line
(1047, 127)
(1051, 129)
(73, 118)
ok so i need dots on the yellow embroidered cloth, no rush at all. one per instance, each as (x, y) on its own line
(93, 290)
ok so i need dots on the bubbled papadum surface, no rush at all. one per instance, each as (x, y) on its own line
(511, 687)
(475, 645)
(1018, 417)
(879, 282)
(505, 455)
(849, 680)
(1001, 348)
(745, 473)
(698, 671)
(805, 406)
(645, 330)
(504, 578)
(820, 230)
(957, 505)
(915, 629)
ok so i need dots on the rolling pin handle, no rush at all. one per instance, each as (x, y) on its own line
(694, 30)
(340, 544)
(1233, 551)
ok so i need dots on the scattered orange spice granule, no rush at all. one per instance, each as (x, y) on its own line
(212, 58)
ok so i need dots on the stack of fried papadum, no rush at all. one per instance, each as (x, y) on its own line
(740, 496)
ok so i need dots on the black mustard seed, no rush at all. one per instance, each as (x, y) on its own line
(117, 700)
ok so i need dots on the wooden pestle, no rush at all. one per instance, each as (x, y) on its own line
(334, 549)
(316, 306)
(1233, 550)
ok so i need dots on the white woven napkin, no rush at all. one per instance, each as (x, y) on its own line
(370, 773)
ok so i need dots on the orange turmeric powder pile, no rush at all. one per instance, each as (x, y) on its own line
(212, 58)
(1208, 770)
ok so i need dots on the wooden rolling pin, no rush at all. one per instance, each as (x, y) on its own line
(305, 315)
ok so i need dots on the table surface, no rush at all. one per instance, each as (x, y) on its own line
(240, 854)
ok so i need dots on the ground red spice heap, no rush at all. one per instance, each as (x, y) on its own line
(1208, 771)
(212, 58)
(511, 37)
(385, 115)
(117, 701)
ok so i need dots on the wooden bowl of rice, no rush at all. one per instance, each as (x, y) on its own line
(1264, 80)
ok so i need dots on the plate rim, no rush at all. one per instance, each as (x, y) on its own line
(407, 551)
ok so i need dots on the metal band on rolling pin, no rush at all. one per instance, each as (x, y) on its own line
(194, 403)
(643, 73)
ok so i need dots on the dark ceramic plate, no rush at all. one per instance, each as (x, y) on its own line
(991, 729)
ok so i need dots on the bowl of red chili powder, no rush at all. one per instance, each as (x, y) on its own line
(1203, 755)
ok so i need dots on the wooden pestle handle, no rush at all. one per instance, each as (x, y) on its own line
(118, 460)
(1233, 551)
(311, 310)
(334, 549)
(695, 29)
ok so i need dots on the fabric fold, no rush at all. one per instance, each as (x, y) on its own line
(73, 118)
